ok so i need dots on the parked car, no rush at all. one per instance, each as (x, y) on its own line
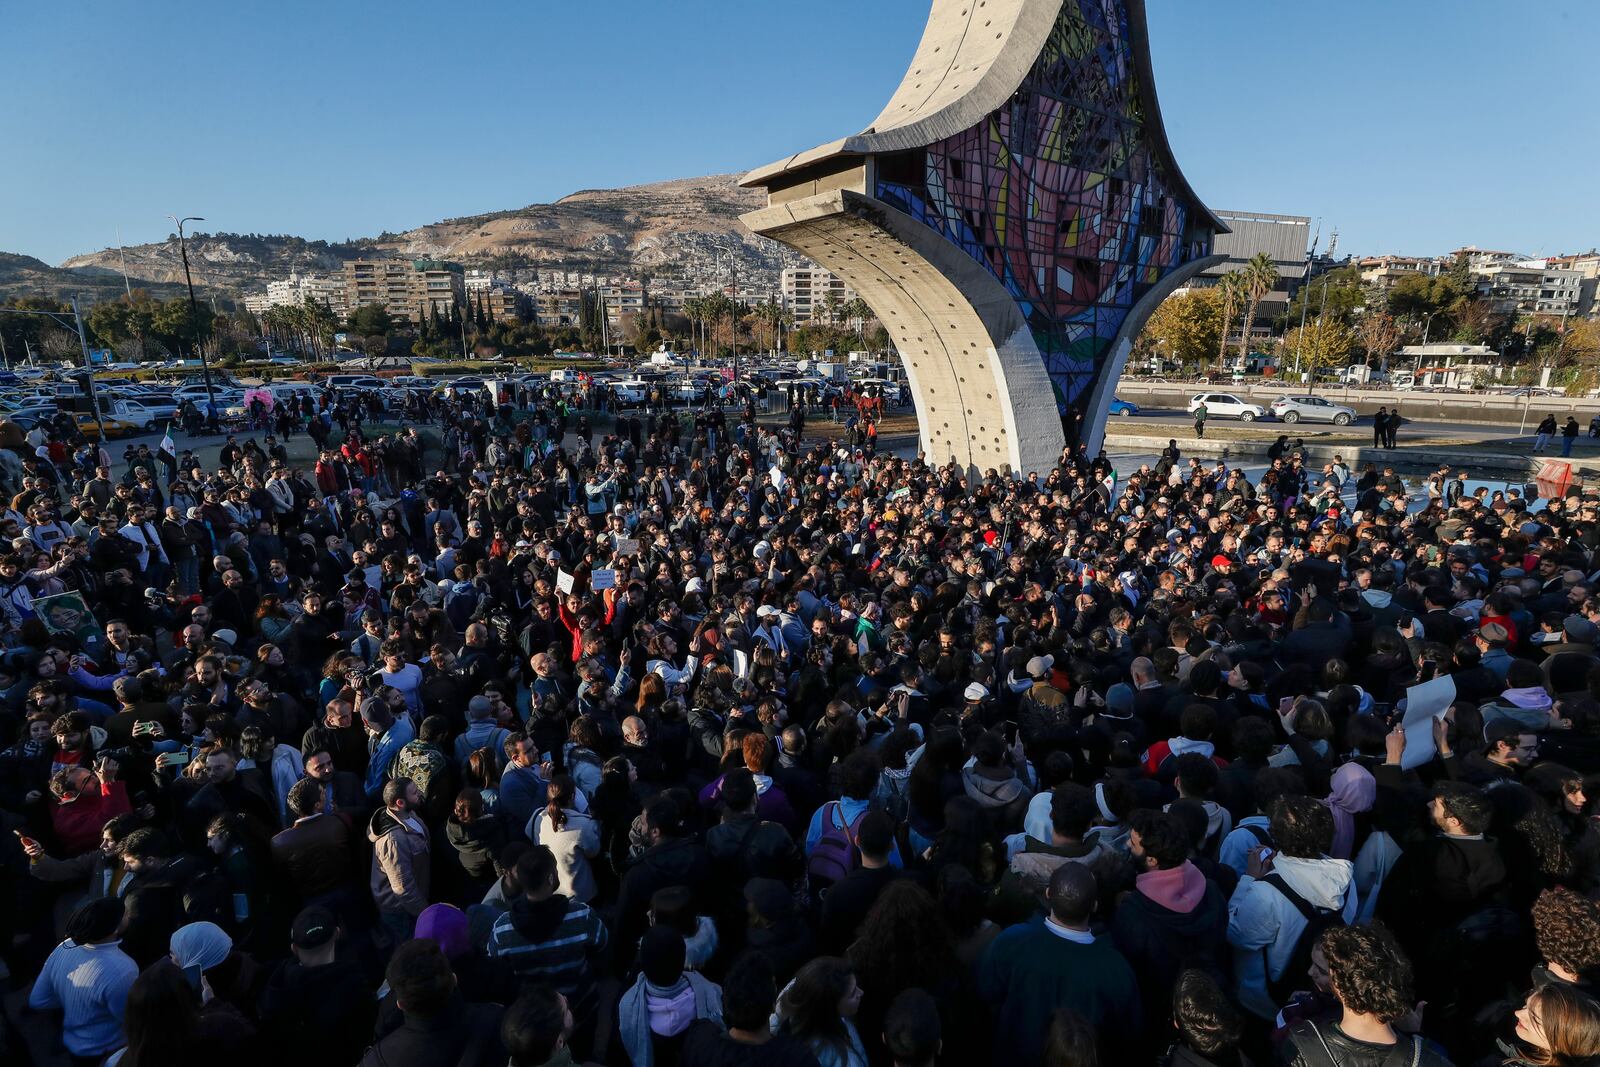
(1124, 408)
(1227, 406)
(111, 426)
(1312, 409)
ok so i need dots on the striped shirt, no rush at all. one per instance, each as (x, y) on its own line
(89, 983)
(562, 959)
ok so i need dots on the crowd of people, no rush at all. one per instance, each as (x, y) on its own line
(500, 739)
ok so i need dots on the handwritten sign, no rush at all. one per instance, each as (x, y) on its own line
(627, 546)
(605, 579)
(563, 581)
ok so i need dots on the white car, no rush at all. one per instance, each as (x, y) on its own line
(1227, 406)
(1312, 409)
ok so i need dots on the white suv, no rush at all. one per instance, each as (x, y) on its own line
(1312, 409)
(1227, 406)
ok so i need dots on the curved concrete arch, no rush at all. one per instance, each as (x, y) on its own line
(1012, 216)
(982, 396)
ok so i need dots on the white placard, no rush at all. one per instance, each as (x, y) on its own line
(563, 581)
(605, 579)
(1424, 704)
(627, 546)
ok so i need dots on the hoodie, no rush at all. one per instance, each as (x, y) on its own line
(554, 941)
(1528, 708)
(1264, 926)
(400, 863)
(1174, 919)
(995, 787)
(1158, 753)
(647, 1010)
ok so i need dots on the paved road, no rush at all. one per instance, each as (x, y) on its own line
(1175, 417)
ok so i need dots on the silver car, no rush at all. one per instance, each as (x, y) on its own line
(1312, 409)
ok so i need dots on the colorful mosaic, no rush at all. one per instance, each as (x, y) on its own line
(1060, 194)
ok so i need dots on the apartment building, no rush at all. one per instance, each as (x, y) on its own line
(1529, 287)
(409, 289)
(806, 291)
(1383, 272)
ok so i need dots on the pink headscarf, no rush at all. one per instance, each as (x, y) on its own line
(1353, 791)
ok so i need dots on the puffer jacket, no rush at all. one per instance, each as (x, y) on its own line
(400, 864)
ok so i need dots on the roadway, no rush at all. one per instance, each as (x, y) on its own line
(1175, 418)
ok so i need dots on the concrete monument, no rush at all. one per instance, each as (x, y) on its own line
(1012, 216)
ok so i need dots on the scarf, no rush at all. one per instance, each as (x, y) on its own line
(1353, 791)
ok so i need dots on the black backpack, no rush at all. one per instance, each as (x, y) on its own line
(1295, 975)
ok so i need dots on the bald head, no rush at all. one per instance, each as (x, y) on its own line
(1142, 670)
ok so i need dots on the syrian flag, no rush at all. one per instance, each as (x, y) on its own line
(1108, 486)
(168, 446)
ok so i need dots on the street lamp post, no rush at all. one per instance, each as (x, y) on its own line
(194, 315)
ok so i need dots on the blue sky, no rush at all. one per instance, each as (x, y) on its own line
(1414, 127)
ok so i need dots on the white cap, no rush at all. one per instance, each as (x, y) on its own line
(227, 637)
(695, 585)
(765, 610)
(976, 692)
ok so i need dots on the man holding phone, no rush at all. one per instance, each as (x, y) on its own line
(85, 801)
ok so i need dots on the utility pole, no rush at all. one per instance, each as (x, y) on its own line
(1300, 338)
(194, 316)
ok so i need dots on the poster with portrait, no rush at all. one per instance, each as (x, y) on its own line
(66, 613)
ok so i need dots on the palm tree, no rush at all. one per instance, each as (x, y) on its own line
(1257, 279)
(1230, 287)
(858, 311)
(694, 309)
(831, 305)
(770, 315)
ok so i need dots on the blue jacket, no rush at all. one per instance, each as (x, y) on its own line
(385, 750)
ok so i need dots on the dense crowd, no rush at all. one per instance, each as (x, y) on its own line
(496, 739)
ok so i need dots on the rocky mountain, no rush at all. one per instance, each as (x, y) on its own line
(679, 227)
(26, 276)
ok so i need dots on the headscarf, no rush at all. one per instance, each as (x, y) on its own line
(447, 925)
(1353, 791)
(198, 947)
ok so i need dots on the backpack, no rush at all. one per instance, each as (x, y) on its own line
(1317, 920)
(836, 853)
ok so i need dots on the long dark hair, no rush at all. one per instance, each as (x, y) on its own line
(903, 943)
(809, 1008)
(562, 792)
(161, 1017)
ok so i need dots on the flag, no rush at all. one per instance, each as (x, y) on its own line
(168, 446)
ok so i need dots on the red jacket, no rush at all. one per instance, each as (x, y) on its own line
(78, 824)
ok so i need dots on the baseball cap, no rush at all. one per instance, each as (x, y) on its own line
(313, 927)
(1221, 561)
(1039, 666)
(695, 585)
(765, 610)
(976, 691)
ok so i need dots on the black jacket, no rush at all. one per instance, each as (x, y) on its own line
(1323, 1044)
(317, 1016)
(675, 861)
(1159, 942)
(463, 1035)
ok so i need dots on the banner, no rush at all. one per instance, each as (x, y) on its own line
(66, 613)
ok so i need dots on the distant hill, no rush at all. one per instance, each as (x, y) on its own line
(26, 276)
(658, 229)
